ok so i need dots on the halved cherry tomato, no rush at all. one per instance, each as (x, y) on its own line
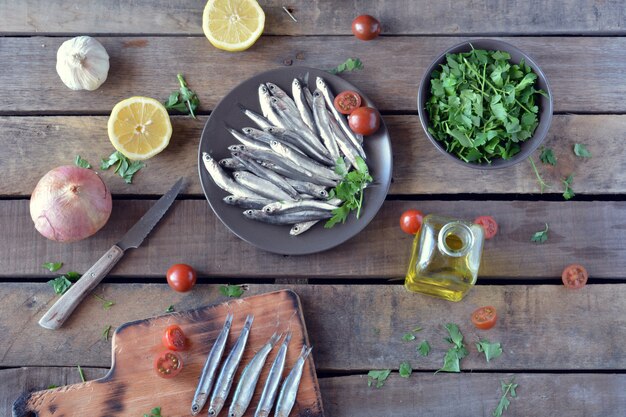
(411, 221)
(168, 364)
(364, 120)
(366, 27)
(484, 317)
(489, 225)
(181, 277)
(174, 338)
(574, 276)
(347, 101)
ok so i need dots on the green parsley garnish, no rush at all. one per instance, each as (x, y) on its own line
(125, 167)
(81, 373)
(581, 151)
(452, 359)
(424, 348)
(407, 337)
(78, 161)
(155, 412)
(64, 282)
(405, 369)
(170, 309)
(106, 304)
(540, 236)
(351, 64)
(349, 190)
(233, 291)
(547, 156)
(568, 193)
(542, 184)
(378, 376)
(105, 333)
(52, 266)
(491, 350)
(184, 100)
(507, 389)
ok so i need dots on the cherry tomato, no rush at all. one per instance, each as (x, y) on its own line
(168, 364)
(574, 276)
(411, 221)
(364, 120)
(484, 317)
(489, 225)
(174, 338)
(366, 27)
(181, 277)
(347, 101)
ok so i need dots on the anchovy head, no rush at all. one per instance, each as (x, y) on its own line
(206, 157)
(296, 84)
(263, 89)
(320, 83)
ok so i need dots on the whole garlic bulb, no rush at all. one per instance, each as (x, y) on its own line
(82, 63)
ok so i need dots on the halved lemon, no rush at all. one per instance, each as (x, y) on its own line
(233, 25)
(139, 127)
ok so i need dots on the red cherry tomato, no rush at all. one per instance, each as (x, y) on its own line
(411, 221)
(168, 364)
(181, 277)
(365, 27)
(489, 225)
(484, 317)
(364, 120)
(574, 276)
(347, 101)
(174, 338)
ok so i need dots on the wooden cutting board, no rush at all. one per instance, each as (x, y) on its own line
(132, 388)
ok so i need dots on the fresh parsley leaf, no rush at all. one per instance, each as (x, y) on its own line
(424, 348)
(170, 309)
(53, 386)
(81, 373)
(52, 266)
(455, 335)
(581, 151)
(125, 168)
(155, 412)
(184, 100)
(113, 159)
(491, 350)
(60, 284)
(233, 291)
(407, 337)
(78, 161)
(547, 156)
(351, 64)
(106, 304)
(105, 333)
(73, 276)
(350, 190)
(405, 369)
(503, 404)
(540, 236)
(378, 377)
(568, 193)
(452, 359)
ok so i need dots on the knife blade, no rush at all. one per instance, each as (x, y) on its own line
(61, 310)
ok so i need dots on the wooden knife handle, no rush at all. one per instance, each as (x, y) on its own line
(61, 310)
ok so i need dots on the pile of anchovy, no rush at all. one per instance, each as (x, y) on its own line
(249, 377)
(281, 171)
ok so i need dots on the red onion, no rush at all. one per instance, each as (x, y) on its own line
(70, 203)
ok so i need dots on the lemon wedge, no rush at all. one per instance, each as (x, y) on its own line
(233, 25)
(139, 127)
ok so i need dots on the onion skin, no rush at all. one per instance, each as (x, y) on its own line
(70, 203)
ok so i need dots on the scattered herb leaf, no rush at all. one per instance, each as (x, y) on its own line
(105, 333)
(53, 386)
(350, 190)
(351, 64)
(155, 412)
(540, 236)
(184, 100)
(568, 193)
(542, 184)
(417, 329)
(507, 389)
(547, 156)
(378, 376)
(72, 276)
(491, 350)
(52, 266)
(581, 151)
(233, 291)
(125, 167)
(106, 304)
(79, 161)
(424, 348)
(405, 369)
(170, 309)
(407, 337)
(452, 359)
(81, 373)
(60, 284)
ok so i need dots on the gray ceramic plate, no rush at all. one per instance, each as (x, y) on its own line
(272, 238)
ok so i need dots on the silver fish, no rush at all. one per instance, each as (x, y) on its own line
(343, 143)
(236, 148)
(247, 141)
(231, 163)
(288, 173)
(249, 378)
(292, 120)
(292, 217)
(207, 377)
(302, 105)
(322, 122)
(276, 159)
(306, 187)
(261, 186)
(270, 389)
(224, 181)
(246, 202)
(266, 173)
(308, 96)
(227, 374)
(299, 228)
(266, 137)
(341, 136)
(314, 149)
(289, 390)
(281, 94)
(266, 109)
(304, 162)
(284, 206)
(261, 121)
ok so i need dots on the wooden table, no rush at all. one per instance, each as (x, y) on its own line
(565, 348)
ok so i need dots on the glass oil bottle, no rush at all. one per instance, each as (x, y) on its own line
(445, 258)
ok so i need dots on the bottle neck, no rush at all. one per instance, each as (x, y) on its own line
(455, 239)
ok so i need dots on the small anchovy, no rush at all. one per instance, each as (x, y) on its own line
(260, 135)
(306, 187)
(323, 124)
(236, 148)
(302, 105)
(281, 94)
(276, 159)
(291, 119)
(266, 109)
(288, 218)
(231, 163)
(270, 388)
(246, 202)
(248, 142)
(266, 173)
(261, 186)
(249, 378)
(286, 172)
(299, 228)
(227, 374)
(315, 150)
(224, 181)
(285, 206)
(343, 143)
(328, 96)
(289, 390)
(261, 121)
(207, 377)
(308, 96)
(304, 162)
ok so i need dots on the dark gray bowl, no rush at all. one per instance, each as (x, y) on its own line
(545, 104)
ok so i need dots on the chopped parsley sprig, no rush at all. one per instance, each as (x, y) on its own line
(349, 190)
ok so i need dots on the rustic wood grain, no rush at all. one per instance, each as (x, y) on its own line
(319, 17)
(131, 384)
(417, 166)
(585, 73)
(352, 327)
(590, 233)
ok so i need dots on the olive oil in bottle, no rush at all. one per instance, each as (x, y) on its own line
(445, 258)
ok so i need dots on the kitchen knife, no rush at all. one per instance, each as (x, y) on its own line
(61, 310)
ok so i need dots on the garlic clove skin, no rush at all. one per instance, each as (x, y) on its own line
(82, 63)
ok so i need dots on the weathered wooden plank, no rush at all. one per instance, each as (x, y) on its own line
(417, 164)
(352, 327)
(585, 73)
(590, 233)
(320, 17)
